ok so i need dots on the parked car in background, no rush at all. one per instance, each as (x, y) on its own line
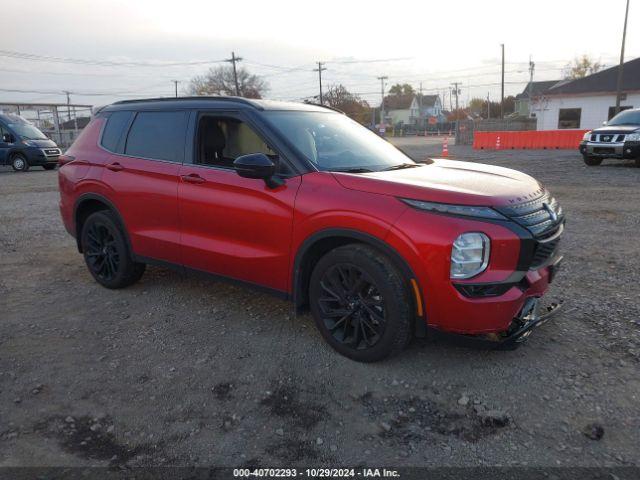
(22, 145)
(619, 138)
(300, 201)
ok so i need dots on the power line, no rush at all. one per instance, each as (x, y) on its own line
(104, 63)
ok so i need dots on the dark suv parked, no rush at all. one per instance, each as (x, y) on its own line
(22, 145)
(620, 138)
(303, 202)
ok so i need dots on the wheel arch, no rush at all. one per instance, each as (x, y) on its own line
(320, 243)
(89, 203)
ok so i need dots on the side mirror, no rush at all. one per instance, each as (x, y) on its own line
(7, 138)
(257, 165)
(604, 124)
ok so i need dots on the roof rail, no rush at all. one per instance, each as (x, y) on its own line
(204, 97)
(324, 106)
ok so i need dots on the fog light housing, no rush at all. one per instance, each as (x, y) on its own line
(470, 255)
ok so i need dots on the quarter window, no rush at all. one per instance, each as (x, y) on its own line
(113, 130)
(158, 135)
(569, 117)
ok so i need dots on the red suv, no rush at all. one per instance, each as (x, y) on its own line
(303, 202)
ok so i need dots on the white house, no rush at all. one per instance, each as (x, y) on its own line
(412, 109)
(586, 102)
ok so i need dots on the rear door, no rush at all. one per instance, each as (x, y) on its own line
(233, 226)
(143, 170)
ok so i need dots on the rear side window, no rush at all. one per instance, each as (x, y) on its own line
(158, 135)
(113, 130)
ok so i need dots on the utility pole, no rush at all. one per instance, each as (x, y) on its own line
(68, 105)
(532, 67)
(621, 67)
(382, 79)
(456, 92)
(488, 107)
(320, 69)
(502, 86)
(233, 60)
(175, 82)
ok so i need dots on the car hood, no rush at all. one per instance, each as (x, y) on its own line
(616, 129)
(43, 143)
(447, 181)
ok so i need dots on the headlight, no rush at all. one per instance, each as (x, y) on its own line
(468, 211)
(633, 137)
(28, 143)
(586, 136)
(470, 255)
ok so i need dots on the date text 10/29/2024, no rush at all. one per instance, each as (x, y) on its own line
(316, 473)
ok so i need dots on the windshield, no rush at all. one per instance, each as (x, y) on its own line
(26, 131)
(334, 142)
(628, 117)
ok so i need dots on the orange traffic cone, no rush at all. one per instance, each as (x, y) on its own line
(498, 143)
(445, 147)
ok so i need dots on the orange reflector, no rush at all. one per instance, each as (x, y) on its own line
(416, 292)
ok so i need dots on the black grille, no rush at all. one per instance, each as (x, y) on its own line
(593, 137)
(544, 218)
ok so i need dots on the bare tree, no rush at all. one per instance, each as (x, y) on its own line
(339, 97)
(581, 67)
(219, 81)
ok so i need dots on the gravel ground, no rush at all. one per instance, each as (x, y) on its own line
(181, 370)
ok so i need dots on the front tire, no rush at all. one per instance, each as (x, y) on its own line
(592, 161)
(19, 163)
(107, 253)
(361, 303)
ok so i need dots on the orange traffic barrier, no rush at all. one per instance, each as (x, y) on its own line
(530, 139)
(445, 147)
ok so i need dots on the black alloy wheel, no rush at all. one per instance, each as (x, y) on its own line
(351, 306)
(106, 251)
(361, 303)
(101, 252)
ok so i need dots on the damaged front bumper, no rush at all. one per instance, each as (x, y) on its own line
(530, 317)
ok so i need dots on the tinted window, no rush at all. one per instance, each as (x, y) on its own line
(631, 117)
(116, 123)
(158, 135)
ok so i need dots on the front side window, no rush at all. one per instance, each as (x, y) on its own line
(629, 117)
(569, 117)
(223, 139)
(334, 142)
(158, 135)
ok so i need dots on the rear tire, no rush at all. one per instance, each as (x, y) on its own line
(49, 166)
(592, 161)
(361, 303)
(19, 163)
(107, 253)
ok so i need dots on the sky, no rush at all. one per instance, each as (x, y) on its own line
(135, 48)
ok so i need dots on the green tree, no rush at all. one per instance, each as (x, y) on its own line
(581, 67)
(219, 81)
(401, 89)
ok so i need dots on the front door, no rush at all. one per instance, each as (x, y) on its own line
(233, 226)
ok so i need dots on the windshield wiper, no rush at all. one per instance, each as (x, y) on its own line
(353, 170)
(402, 166)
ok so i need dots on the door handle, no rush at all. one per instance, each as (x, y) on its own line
(192, 178)
(115, 167)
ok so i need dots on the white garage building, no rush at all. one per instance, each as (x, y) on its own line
(586, 102)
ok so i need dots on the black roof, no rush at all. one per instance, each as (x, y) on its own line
(221, 102)
(603, 81)
(537, 87)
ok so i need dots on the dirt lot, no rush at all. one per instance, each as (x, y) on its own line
(183, 370)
